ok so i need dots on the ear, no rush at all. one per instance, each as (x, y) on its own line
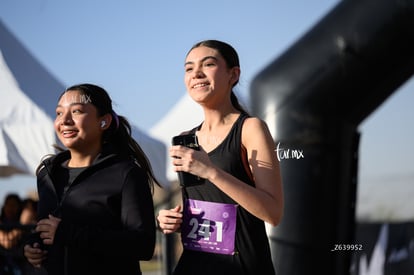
(234, 74)
(105, 121)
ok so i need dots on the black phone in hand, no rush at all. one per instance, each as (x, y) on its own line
(190, 141)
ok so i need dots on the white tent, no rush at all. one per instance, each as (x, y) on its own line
(185, 115)
(26, 132)
(28, 95)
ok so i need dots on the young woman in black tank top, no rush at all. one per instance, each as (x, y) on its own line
(222, 218)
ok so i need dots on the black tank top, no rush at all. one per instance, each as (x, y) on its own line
(252, 254)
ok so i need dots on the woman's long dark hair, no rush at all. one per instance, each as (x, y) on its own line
(232, 60)
(119, 132)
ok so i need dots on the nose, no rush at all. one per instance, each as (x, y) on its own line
(66, 119)
(198, 72)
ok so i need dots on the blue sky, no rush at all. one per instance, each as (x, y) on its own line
(135, 50)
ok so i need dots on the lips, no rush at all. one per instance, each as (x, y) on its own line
(69, 133)
(200, 85)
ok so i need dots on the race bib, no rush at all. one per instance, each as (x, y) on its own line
(209, 226)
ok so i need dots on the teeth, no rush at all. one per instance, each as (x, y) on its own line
(200, 85)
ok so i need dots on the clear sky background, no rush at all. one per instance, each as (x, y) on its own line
(135, 49)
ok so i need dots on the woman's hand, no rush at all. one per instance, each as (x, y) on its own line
(47, 228)
(34, 254)
(191, 161)
(169, 220)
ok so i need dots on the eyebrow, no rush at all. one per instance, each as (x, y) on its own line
(202, 60)
(71, 104)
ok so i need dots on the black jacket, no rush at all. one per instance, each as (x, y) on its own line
(107, 213)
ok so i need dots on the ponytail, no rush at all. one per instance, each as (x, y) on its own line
(236, 104)
(119, 135)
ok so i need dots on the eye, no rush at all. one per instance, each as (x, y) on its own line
(188, 69)
(59, 112)
(78, 109)
(209, 63)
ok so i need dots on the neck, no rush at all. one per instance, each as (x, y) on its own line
(214, 118)
(82, 159)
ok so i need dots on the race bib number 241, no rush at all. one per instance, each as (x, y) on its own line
(209, 226)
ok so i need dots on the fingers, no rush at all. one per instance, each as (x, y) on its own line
(169, 220)
(47, 234)
(47, 237)
(50, 221)
(54, 219)
(196, 162)
(185, 162)
(170, 227)
(177, 151)
(34, 254)
(180, 153)
(47, 228)
(177, 208)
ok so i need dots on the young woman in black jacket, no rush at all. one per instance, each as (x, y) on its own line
(96, 213)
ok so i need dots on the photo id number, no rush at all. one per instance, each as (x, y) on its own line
(347, 247)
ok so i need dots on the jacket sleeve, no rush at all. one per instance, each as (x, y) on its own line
(135, 238)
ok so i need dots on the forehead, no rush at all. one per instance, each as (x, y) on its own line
(74, 97)
(200, 53)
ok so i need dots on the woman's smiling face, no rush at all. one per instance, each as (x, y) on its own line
(77, 123)
(206, 74)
